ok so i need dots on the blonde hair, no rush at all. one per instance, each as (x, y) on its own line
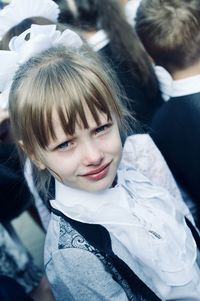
(170, 31)
(64, 80)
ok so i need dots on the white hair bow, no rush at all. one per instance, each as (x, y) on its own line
(42, 37)
(18, 10)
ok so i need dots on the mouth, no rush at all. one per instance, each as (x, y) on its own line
(98, 173)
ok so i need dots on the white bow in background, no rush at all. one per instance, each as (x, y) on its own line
(42, 37)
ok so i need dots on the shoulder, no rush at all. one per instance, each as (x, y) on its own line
(61, 235)
(67, 252)
(74, 267)
(179, 116)
(75, 274)
(64, 241)
(175, 104)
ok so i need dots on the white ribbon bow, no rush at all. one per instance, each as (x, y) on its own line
(18, 10)
(42, 37)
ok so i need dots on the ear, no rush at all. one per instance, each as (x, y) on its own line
(37, 162)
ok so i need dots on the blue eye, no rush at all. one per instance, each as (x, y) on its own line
(102, 128)
(63, 145)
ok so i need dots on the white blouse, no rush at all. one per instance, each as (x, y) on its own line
(143, 217)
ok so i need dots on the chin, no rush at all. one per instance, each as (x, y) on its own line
(98, 186)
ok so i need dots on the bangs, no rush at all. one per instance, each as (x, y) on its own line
(68, 92)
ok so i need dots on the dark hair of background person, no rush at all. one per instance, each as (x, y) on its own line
(93, 15)
(126, 50)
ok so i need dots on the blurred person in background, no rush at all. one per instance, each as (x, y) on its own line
(106, 29)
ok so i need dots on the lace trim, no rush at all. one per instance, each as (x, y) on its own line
(70, 238)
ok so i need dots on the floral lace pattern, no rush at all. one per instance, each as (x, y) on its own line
(142, 153)
(70, 238)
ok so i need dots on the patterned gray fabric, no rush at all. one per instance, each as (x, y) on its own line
(74, 273)
(70, 238)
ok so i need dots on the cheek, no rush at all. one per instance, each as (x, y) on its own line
(113, 145)
(118, 151)
(116, 142)
(62, 164)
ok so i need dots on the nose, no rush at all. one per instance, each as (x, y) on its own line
(92, 154)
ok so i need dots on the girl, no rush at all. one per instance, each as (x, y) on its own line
(113, 235)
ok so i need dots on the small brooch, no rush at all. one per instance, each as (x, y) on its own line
(155, 234)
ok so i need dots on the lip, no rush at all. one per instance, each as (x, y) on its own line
(98, 173)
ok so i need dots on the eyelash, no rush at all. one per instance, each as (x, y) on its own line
(65, 146)
(102, 129)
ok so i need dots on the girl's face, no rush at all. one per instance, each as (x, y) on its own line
(89, 159)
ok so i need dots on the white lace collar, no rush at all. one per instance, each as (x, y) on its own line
(176, 88)
(143, 218)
